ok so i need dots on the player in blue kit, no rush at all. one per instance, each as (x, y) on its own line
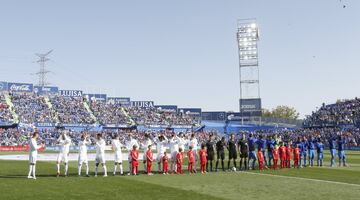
(311, 147)
(320, 152)
(332, 147)
(303, 152)
(261, 144)
(252, 153)
(270, 143)
(341, 151)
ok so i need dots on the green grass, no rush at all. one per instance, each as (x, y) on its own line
(344, 184)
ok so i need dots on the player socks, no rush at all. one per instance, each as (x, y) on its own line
(105, 170)
(79, 169)
(30, 170)
(115, 168)
(121, 169)
(58, 168)
(66, 169)
(96, 170)
(33, 171)
(87, 169)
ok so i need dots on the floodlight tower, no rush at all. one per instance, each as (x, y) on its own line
(247, 38)
(43, 72)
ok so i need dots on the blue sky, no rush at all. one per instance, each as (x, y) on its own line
(185, 52)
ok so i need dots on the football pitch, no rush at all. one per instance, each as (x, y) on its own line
(307, 183)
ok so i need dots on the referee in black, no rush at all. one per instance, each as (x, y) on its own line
(210, 153)
(220, 154)
(231, 145)
(244, 151)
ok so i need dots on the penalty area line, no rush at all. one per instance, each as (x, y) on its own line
(301, 178)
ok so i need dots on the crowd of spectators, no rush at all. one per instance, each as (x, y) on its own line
(71, 110)
(5, 113)
(157, 116)
(344, 112)
(32, 108)
(109, 113)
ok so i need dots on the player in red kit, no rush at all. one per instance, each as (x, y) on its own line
(288, 155)
(191, 162)
(275, 153)
(165, 162)
(134, 160)
(296, 156)
(203, 158)
(179, 160)
(282, 153)
(149, 160)
(260, 159)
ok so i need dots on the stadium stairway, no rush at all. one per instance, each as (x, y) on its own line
(11, 106)
(49, 104)
(87, 107)
(132, 122)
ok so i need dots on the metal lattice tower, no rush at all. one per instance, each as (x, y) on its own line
(247, 38)
(43, 72)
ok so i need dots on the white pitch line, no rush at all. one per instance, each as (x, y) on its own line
(300, 178)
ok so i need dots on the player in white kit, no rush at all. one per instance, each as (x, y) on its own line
(161, 142)
(100, 154)
(174, 148)
(129, 146)
(145, 145)
(33, 151)
(83, 158)
(116, 146)
(64, 142)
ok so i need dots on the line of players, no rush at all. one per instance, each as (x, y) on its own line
(277, 151)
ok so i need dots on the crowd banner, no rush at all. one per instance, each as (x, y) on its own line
(196, 112)
(124, 101)
(142, 104)
(71, 93)
(97, 97)
(20, 87)
(46, 90)
(169, 108)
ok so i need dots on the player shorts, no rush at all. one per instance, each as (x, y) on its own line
(210, 155)
(244, 154)
(159, 157)
(63, 157)
(118, 157)
(232, 155)
(341, 155)
(252, 155)
(32, 157)
(220, 155)
(173, 156)
(82, 159)
(100, 158)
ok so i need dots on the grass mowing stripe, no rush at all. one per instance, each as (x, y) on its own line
(301, 178)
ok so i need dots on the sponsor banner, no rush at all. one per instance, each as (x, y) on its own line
(45, 124)
(20, 87)
(6, 123)
(17, 148)
(170, 108)
(196, 112)
(117, 126)
(3, 86)
(125, 101)
(71, 148)
(214, 116)
(46, 90)
(233, 116)
(142, 104)
(252, 106)
(71, 93)
(97, 97)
